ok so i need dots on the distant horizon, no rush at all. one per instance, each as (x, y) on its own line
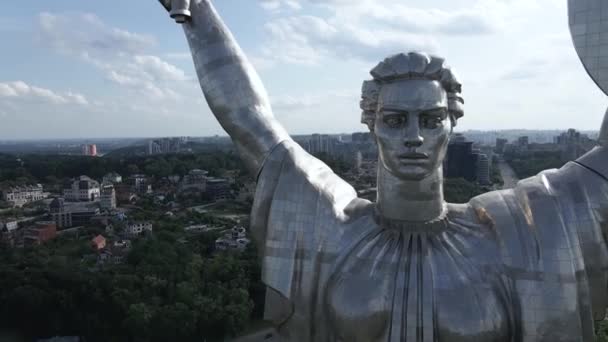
(224, 135)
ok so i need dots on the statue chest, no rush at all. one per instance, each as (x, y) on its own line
(417, 287)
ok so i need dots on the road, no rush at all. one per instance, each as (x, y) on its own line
(266, 335)
(508, 175)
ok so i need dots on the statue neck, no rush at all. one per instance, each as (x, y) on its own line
(414, 201)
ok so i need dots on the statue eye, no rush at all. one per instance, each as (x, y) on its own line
(394, 121)
(431, 121)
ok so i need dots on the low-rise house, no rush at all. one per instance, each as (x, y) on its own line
(40, 233)
(109, 228)
(140, 184)
(218, 189)
(195, 180)
(122, 244)
(242, 243)
(68, 215)
(231, 175)
(201, 228)
(98, 242)
(125, 193)
(238, 232)
(115, 253)
(233, 239)
(113, 178)
(134, 229)
(9, 225)
(21, 195)
(8, 232)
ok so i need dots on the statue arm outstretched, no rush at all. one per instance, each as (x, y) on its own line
(231, 86)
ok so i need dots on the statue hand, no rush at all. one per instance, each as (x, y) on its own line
(603, 137)
(178, 9)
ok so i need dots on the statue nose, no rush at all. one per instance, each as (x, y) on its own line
(412, 137)
(416, 142)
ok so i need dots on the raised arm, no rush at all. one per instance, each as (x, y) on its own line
(231, 86)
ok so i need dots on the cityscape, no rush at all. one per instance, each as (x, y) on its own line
(97, 213)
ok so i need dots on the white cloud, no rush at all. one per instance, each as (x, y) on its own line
(158, 69)
(121, 79)
(76, 98)
(21, 90)
(149, 76)
(120, 54)
(85, 32)
(368, 31)
(179, 55)
(310, 40)
(276, 5)
(7, 91)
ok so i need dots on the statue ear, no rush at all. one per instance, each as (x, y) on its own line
(453, 122)
(372, 132)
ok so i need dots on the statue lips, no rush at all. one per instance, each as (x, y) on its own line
(413, 157)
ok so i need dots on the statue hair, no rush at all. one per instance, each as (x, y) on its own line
(411, 66)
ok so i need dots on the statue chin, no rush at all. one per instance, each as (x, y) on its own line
(410, 172)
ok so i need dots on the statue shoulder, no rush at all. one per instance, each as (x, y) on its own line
(532, 196)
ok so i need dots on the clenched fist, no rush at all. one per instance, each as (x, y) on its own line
(178, 9)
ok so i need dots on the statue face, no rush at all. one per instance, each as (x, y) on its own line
(412, 128)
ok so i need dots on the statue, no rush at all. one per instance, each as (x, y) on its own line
(525, 264)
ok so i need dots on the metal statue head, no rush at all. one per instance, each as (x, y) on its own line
(411, 106)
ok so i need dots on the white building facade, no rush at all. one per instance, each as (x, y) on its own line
(112, 177)
(108, 197)
(82, 189)
(134, 229)
(20, 195)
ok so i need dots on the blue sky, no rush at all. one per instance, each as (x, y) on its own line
(100, 69)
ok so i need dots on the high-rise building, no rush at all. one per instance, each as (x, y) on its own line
(461, 162)
(500, 145)
(165, 145)
(573, 144)
(523, 141)
(483, 169)
(108, 197)
(358, 162)
(322, 143)
(361, 137)
(89, 150)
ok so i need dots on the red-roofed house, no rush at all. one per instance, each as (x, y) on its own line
(98, 242)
